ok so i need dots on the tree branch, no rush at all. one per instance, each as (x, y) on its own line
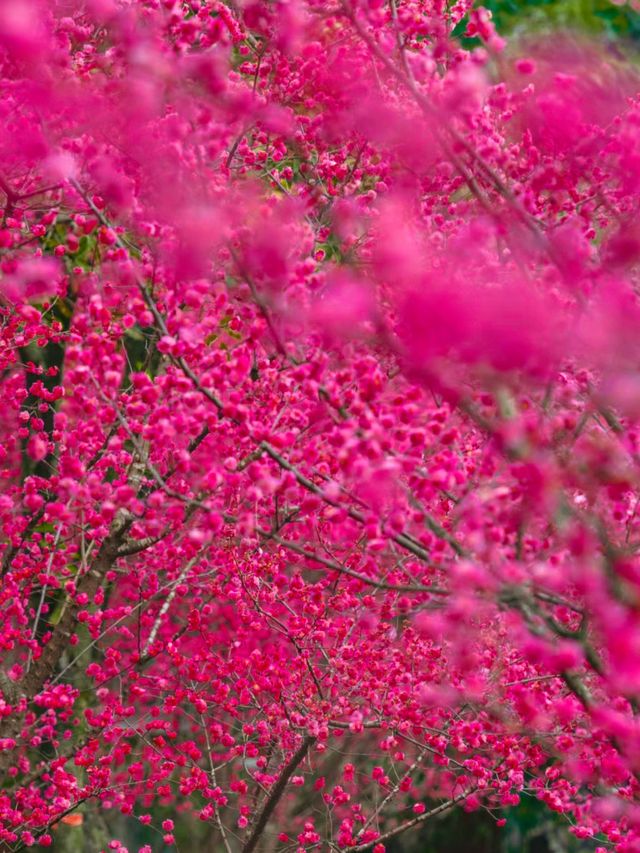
(275, 794)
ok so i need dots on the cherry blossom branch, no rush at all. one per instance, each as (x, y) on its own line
(275, 794)
(344, 570)
(392, 833)
(166, 604)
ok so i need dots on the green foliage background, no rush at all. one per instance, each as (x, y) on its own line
(595, 17)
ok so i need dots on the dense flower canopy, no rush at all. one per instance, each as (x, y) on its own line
(319, 448)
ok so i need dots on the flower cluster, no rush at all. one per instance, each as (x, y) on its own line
(320, 446)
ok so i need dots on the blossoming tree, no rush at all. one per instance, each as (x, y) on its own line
(319, 361)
